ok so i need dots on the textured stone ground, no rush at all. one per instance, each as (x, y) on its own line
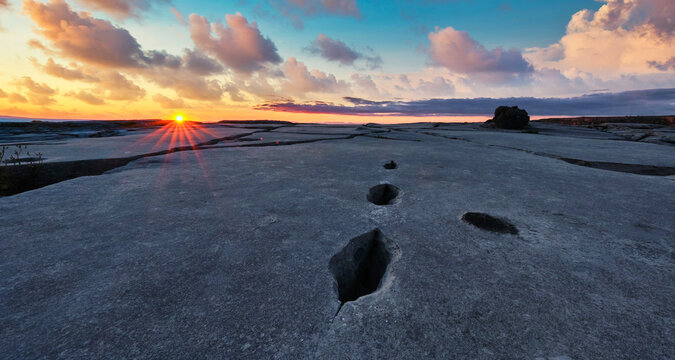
(224, 252)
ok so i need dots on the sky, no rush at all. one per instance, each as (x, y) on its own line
(335, 60)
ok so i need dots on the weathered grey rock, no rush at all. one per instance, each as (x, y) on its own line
(510, 117)
(225, 252)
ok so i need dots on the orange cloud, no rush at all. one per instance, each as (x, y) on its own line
(28, 83)
(622, 37)
(87, 97)
(60, 71)
(17, 98)
(168, 103)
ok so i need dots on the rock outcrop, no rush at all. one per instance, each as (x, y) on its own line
(510, 117)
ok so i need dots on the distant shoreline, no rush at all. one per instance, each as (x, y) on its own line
(594, 120)
(563, 120)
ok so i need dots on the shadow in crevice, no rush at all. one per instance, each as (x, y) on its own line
(361, 267)
(391, 165)
(383, 194)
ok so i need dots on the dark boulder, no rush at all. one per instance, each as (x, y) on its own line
(511, 117)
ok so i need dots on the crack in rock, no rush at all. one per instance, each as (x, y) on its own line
(490, 223)
(638, 169)
(363, 265)
(383, 194)
(16, 179)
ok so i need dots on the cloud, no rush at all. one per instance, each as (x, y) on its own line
(621, 37)
(458, 52)
(167, 102)
(435, 87)
(36, 88)
(553, 52)
(641, 102)
(201, 64)
(60, 71)
(187, 85)
(338, 51)
(239, 45)
(120, 8)
(101, 47)
(17, 98)
(117, 87)
(38, 93)
(663, 66)
(335, 7)
(87, 97)
(300, 80)
(334, 50)
(91, 40)
(179, 16)
(296, 9)
(366, 84)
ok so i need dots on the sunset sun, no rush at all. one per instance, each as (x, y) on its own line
(179, 118)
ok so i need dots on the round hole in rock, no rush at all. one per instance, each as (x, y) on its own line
(383, 194)
(391, 165)
(490, 223)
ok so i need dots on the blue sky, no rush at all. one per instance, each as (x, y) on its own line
(395, 29)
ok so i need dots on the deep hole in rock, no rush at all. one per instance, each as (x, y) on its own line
(489, 223)
(383, 194)
(391, 165)
(361, 265)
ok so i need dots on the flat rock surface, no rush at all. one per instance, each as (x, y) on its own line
(224, 252)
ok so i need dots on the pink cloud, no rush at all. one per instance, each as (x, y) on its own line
(458, 52)
(82, 37)
(435, 87)
(120, 8)
(366, 84)
(91, 40)
(300, 80)
(179, 16)
(239, 45)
